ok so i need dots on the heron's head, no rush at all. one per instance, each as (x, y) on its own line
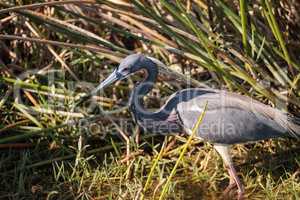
(127, 67)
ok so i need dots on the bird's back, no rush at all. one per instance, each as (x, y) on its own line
(230, 118)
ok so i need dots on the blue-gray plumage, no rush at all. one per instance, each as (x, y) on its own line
(230, 118)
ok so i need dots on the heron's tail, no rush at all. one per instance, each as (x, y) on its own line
(293, 126)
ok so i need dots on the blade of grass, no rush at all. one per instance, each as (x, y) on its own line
(8, 8)
(243, 14)
(71, 30)
(23, 110)
(267, 53)
(267, 7)
(29, 134)
(156, 160)
(146, 11)
(115, 56)
(186, 145)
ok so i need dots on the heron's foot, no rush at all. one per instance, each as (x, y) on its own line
(240, 190)
(170, 145)
(240, 195)
(234, 179)
(229, 188)
(130, 156)
(226, 193)
(232, 185)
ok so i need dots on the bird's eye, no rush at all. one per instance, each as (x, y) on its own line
(126, 69)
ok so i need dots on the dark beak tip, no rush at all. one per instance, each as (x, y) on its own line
(82, 99)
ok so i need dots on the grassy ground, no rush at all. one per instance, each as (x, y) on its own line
(52, 52)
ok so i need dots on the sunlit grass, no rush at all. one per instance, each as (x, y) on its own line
(99, 175)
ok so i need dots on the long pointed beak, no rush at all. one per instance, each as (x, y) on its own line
(109, 80)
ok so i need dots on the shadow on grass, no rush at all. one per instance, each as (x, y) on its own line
(278, 160)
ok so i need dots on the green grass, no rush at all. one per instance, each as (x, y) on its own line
(98, 175)
(47, 51)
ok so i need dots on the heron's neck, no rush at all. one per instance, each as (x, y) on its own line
(142, 89)
(161, 121)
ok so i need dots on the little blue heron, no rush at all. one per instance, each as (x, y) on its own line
(230, 118)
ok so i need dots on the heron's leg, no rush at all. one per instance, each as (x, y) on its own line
(223, 150)
(170, 144)
(127, 140)
(130, 155)
(137, 135)
(230, 186)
